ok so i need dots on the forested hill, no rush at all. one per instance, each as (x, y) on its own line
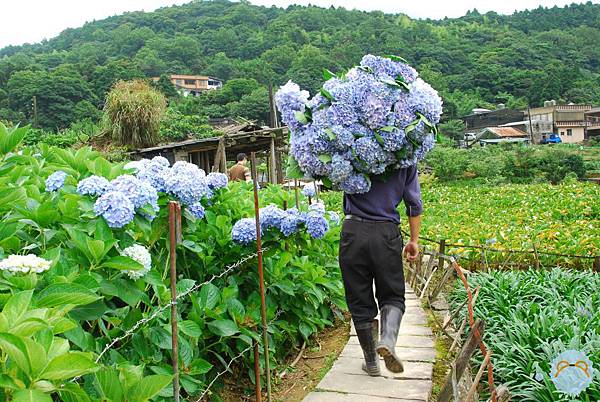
(476, 60)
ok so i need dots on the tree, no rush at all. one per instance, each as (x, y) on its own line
(167, 88)
(133, 112)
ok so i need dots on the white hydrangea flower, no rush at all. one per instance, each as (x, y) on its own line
(25, 264)
(140, 254)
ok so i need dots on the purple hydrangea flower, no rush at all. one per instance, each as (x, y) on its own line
(356, 184)
(116, 208)
(423, 98)
(93, 185)
(55, 181)
(244, 231)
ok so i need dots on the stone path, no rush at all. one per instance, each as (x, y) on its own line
(346, 382)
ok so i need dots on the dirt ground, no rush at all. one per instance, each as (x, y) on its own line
(316, 360)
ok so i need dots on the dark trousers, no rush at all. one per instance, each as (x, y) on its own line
(371, 251)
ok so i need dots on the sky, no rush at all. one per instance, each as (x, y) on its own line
(29, 21)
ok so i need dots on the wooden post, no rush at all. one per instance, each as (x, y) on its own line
(440, 285)
(223, 159)
(477, 378)
(461, 362)
(596, 265)
(257, 386)
(442, 252)
(272, 163)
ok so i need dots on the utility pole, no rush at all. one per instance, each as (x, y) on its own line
(530, 125)
(35, 112)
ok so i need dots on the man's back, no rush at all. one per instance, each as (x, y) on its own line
(238, 172)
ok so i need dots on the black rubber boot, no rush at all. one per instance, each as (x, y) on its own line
(367, 336)
(391, 316)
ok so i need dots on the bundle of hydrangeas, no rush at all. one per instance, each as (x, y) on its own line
(315, 221)
(119, 199)
(370, 121)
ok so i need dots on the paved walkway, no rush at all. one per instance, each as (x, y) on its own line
(346, 382)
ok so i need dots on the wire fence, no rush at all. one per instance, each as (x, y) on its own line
(428, 276)
(534, 255)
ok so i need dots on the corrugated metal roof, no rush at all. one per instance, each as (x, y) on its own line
(507, 132)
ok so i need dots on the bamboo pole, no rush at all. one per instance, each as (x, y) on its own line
(261, 279)
(173, 271)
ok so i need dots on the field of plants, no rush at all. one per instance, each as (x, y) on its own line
(562, 218)
(84, 257)
(532, 317)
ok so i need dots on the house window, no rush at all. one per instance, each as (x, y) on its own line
(190, 82)
(562, 133)
(179, 82)
(569, 131)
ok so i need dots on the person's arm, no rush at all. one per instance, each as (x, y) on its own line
(247, 175)
(414, 209)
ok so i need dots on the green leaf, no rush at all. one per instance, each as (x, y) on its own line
(108, 384)
(330, 134)
(11, 138)
(236, 309)
(301, 117)
(16, 350)
(327, 95)
(28, 327)
(61, 294)
(72, 392)
(396, 58)
(97, 249)
(16, 306)
(7, 381)
(324, 158)
(293, 170)
(123, 263)
(379, 138)
(31, 395)
(326, 182)
(69, 365)
(390, 82)
(366, 69)
(89, 312)
(209, 296)
(327, 74)
(223, 327)
(388, 129)
(148, 387)
(200, 366)
(37, 356)
(305, 330)
(190, 328)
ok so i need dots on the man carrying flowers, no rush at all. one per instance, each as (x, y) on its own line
(371, 252)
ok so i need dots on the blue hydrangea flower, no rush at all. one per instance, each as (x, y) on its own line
(309, 190)
(423, 98)
(318, 207)
(187, 182)
(341, 169)
(370, 157)
(384, 67)
(244, 231)
(116, 208)
(290, 224)
(333, 217)
(55, 181)
(154, 172)
(216, 180)
(93, 185)
(316, 225)
(197, 210)
(356, 184)
(271, 217)
(137, 191)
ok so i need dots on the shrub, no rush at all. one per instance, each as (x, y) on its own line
(177, 126)
(133, 112)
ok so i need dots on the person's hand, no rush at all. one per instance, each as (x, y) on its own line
(411, 251)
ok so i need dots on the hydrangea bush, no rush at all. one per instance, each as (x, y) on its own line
(378, 117)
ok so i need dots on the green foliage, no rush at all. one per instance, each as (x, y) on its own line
(165, 86)
(531, 317)
(475, 61)
(86, 299)
(510, 163)
(133, 112)
(176, 126)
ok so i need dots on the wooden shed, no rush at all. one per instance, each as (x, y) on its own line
(211, 154)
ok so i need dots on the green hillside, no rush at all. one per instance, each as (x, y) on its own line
(476, 60)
